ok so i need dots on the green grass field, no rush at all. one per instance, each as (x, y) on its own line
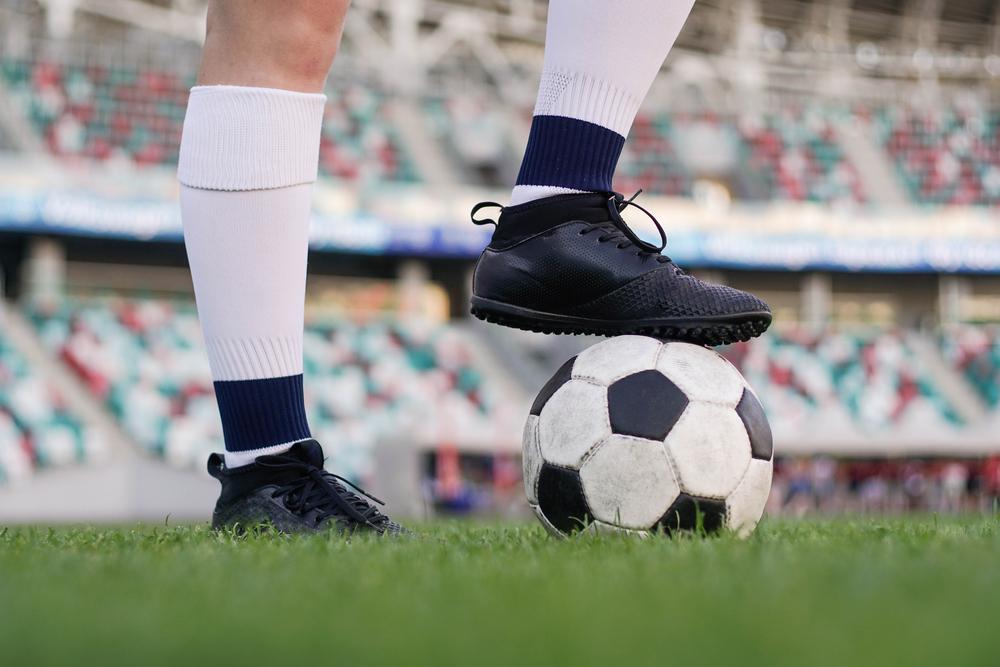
(886, 592)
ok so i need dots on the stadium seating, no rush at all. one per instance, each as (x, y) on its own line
(36, 429)
(649, 160)
(473, 133)
(975, 353)
(945, 156)
(146, 360)
(794, 155)
(869, 378)
(359, 142)
(100, 112)
(126, 113)
(785, 156)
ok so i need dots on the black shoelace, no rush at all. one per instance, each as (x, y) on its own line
(317, 489)
(615, 229)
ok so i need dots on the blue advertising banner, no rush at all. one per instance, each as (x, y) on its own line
(134, 205)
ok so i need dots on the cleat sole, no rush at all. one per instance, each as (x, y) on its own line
(723, 330)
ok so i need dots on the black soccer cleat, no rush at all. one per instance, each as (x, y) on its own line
(570, 264)
(292, 493)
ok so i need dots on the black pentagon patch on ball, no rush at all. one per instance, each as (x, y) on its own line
(685, 513)
(645, 404)
(561, 499)
(560, 378)
(752, 413)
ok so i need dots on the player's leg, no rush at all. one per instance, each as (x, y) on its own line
(287, 45)
(248, 160)
(588, 272)
(600, 61)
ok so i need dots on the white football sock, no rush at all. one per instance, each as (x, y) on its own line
(247, 163)
(600, 60)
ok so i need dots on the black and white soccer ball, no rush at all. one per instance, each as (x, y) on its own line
(641, 435)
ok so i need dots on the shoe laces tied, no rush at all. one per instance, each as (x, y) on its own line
(317, 489)
(616, 229)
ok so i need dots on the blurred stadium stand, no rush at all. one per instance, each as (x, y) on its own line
(944, 156)
(366, 381)
(842, 159)
(37, 428)
(941, 157)
(974, 352)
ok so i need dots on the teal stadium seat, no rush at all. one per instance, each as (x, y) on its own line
(945, 156)
(868, 377)
(101, 112)
(146, 360)
(37, 431)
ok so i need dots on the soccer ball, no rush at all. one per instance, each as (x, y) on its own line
(640, 435)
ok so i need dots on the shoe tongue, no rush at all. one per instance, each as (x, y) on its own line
(307, 451)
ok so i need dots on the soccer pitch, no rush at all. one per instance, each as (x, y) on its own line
(898, 591)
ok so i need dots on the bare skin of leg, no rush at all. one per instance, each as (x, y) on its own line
(286, 44)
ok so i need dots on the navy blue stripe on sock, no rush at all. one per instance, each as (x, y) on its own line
(262, 413)
(570, 153)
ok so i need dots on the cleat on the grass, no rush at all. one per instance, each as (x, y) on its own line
(292, 493)
(570, 264)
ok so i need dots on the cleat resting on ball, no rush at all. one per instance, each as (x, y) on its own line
(570, 264)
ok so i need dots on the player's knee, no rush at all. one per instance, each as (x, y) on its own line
(304, 50)
(295, 39)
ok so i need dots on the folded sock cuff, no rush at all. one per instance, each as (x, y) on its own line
(262, 413)
(570, 153)
(241, 138)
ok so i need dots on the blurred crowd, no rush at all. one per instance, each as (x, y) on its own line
(367, 381)
(975, 353)
(885, 486)
(946, 156)
(135, 115)
(391, 378)
(37, 429)
(860, 380)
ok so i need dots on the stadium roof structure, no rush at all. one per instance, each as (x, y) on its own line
(967, 25)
